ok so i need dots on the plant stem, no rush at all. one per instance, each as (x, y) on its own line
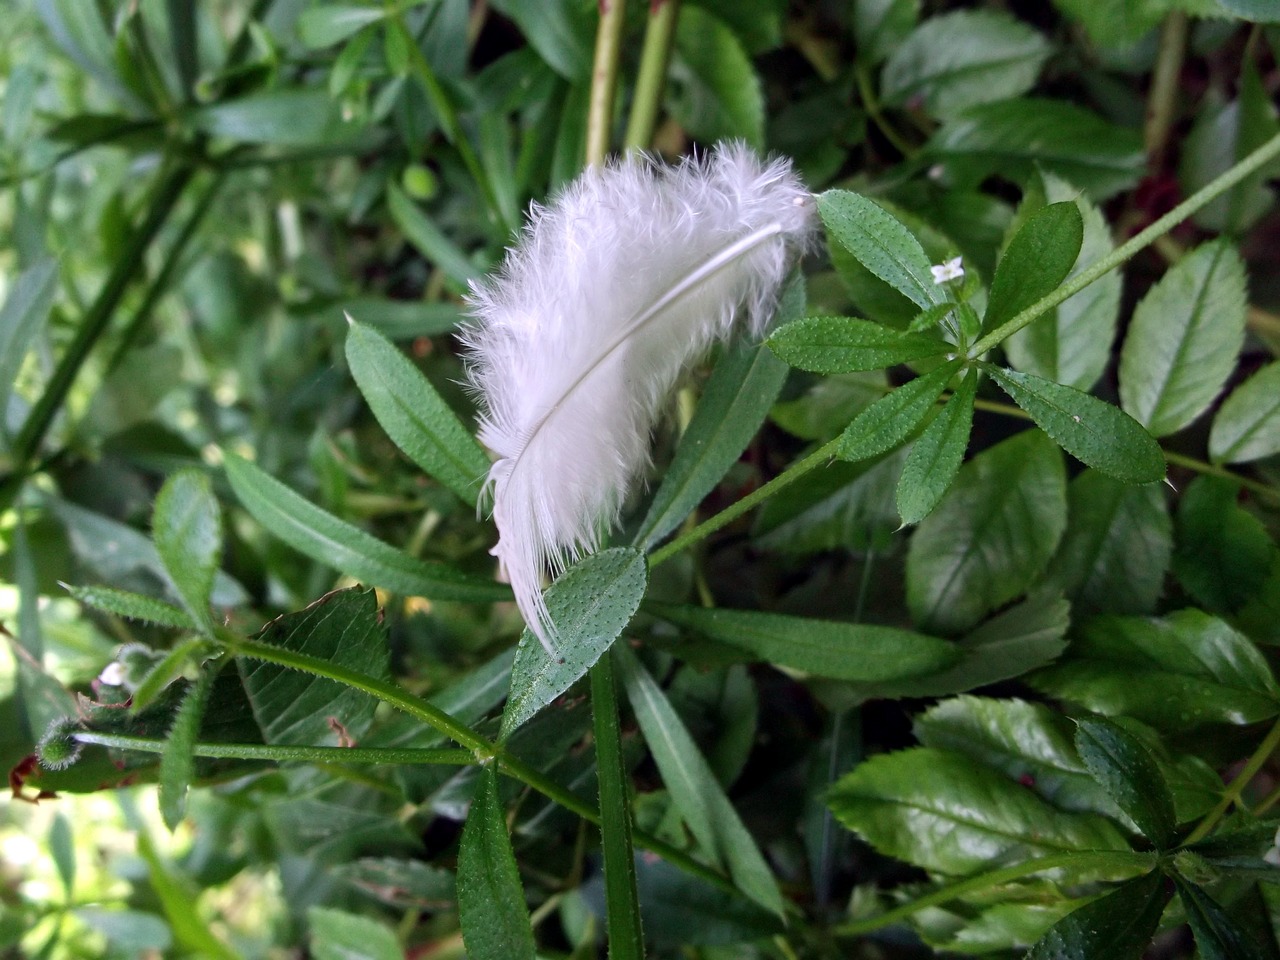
(1162, 102)
(872, 104)
(284, 754)
(604, 80)
(1260, 756)
(164, 196)
(655, 57)
(1215, 188)
(622, 902)
(1101, 860)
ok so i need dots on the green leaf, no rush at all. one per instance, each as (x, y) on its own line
(1027, 742)
(1217, 935)
(178, 900)
(939, 811)
(400, 883)
(338, 935)
(890, 420)
(288, 117)
(880, 243)
(491, 907)
(742, 388)
(936, 455)
(177, 763)
(1175, 673)
(63, 852)
(1184, 339)
(1091, 430)
(590, 605)
(25, 309)
(1247, 426)
(1126, 769)
(430, 240)
(1115, 553)
(823, 648)
(1071, 344)
(992, 535)
(715, 92)
(559, 30)
(843, 506)
(694, 789)
(1018, 138)
(187, 526)
(1118, 926)
(881, 25)
(1223, 553)
(1263, 11)
(133, 606)
(1036, 261)
(320, 27)
(828, 406)
(130, 932)
(960, 59)
(414, 415)
(343, 628)
(847, 345)
(339, 545)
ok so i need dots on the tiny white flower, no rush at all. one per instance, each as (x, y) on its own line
(951, 270)
(112, 674)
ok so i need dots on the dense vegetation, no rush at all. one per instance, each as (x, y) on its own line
(946, 620)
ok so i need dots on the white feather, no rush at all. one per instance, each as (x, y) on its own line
(613, 289)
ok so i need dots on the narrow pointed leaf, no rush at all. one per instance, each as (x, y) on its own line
(1091, 430)
(936, 455)
(880, 243)
(1247, 427)
(590, 604)
(414, 415)
(1217, 935)
(1184, 338)
(891, 419)
(429, 240)
(824, 648)
(187, 526)
(133, 606)
(177, 763)
(1118, 926)
(1035, 263)
(491, 907)
(848, 345)
(1126, 769)
(23, 312)
(338, 544)
(338, 935)
(745, 382)
(694, 789)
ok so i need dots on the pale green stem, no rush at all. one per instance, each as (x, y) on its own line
(1234, 790)
(604, 80)
(655, 56)
(283, 754)
(1162, 102)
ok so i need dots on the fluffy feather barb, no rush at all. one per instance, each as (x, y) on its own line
(631, 273)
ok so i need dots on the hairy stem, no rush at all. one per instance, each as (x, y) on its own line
(1236, 788)
(604, 80)
(283, 754)
(655, 57)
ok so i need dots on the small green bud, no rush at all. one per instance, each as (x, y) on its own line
(58, 748)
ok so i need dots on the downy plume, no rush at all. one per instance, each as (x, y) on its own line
(612, 290)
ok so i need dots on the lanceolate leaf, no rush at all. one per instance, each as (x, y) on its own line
(133, 606)
(1091, 430)
(590, 605)
(1217, 935)
(991, 536)
(1247, 427)
(338, 544)
(842, 651)
(23, 312)
(1118, 926)
(187, 526)
(937, 454)
(1035, 263)
(881, 244)
(1125, 768)
(177, 763)
(414, 416)
(891, 419)
(694, 789)
(491, 907)
(848, 345)
(940, 811)
(1184, 338)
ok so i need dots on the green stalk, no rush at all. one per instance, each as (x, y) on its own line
(1269, 745)
(604, 79)
(1162, 102)
(164, 197)
(655, 56)
(283, 754)
(1211, 191)
(1101, 860)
